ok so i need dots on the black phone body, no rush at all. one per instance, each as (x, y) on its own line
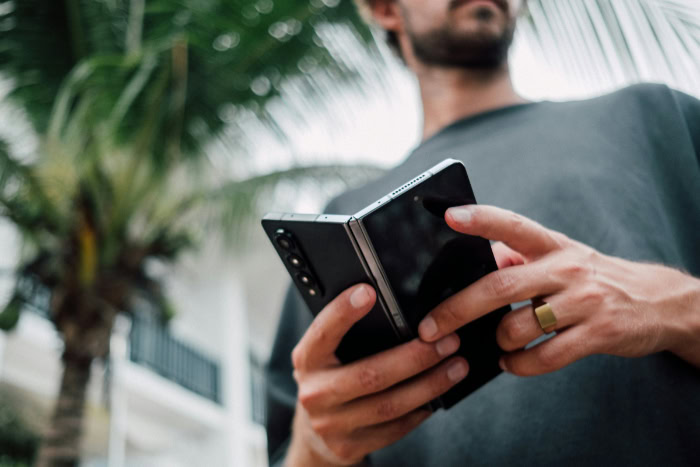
(419, 261)
(332, 263)
(402, 246)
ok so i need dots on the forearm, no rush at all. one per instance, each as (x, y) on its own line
(685, 330)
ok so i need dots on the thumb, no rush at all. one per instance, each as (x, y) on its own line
(329, 327)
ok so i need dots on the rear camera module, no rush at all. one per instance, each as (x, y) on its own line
(305, 279)
(295, 261)
(284, 239)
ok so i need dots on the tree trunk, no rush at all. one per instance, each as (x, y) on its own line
(60, 446)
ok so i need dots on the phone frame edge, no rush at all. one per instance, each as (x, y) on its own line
(375, 267)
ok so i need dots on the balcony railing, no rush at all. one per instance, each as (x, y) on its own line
(151, 345)
(257, 389)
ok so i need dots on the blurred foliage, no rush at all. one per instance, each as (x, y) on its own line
(124, 97)
(209, 53)
(604, 44)
(18, 443)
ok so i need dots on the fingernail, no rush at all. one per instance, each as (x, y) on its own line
(457, 371)
(447, 345)
(360, 297)
(502, 364)
(427, 328)
(461, 214)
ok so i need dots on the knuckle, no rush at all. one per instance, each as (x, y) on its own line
(592, 294)
(439, 383)
(547, 358)
(423, 355)
(404, 425)
(449, 314)
(560, 239)
(323, 426)
(590, 255)
(370, 379)
(386, 409)
(500, 283)
(512, 329)
(517, 223)
(344, 450)
(298, 357)
(309, 398)
(609, 329)
(573, 269)
(318, 332)
(477, 220)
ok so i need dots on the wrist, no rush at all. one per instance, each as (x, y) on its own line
(301, 452)
(685, 323)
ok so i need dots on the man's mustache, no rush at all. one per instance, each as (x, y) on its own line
(454, 4)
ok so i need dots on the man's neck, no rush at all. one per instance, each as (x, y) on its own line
(449, 95)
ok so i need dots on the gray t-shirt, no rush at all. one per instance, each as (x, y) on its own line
(620, 173)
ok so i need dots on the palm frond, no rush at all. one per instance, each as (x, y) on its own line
(604, 44)
(234, 54)
(23, 198)
(235, 204)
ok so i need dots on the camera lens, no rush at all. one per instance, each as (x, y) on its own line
(295, 261)
(305, 279)
(284, 239)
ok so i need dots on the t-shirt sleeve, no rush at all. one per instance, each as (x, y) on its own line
(690, 108)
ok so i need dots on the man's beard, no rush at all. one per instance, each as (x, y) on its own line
(446, 47)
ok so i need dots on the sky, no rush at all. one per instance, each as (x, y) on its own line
(378, 124)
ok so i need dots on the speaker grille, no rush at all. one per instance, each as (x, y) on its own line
(408, 185)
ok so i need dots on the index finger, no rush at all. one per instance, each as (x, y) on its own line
(518, 232)
(320, 341)
(494, 290)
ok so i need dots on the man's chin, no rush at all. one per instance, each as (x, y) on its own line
(470, 27)
(483, 50)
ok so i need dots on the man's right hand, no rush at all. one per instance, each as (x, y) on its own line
(344, 412)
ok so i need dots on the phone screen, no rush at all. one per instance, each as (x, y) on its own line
(424, 260)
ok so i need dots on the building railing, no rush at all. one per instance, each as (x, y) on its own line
(152, 346)
(257, 389)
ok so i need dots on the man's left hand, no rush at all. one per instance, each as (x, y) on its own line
(603, 304)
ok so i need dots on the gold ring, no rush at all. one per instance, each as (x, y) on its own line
(545, 316)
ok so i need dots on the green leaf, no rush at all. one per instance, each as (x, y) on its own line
(9, 317)
(167, 311)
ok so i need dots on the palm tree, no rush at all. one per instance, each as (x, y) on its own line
(123, 97)
(603, 44)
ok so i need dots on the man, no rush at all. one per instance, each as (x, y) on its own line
(607, 193)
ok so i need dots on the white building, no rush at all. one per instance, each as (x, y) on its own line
(181, 396)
